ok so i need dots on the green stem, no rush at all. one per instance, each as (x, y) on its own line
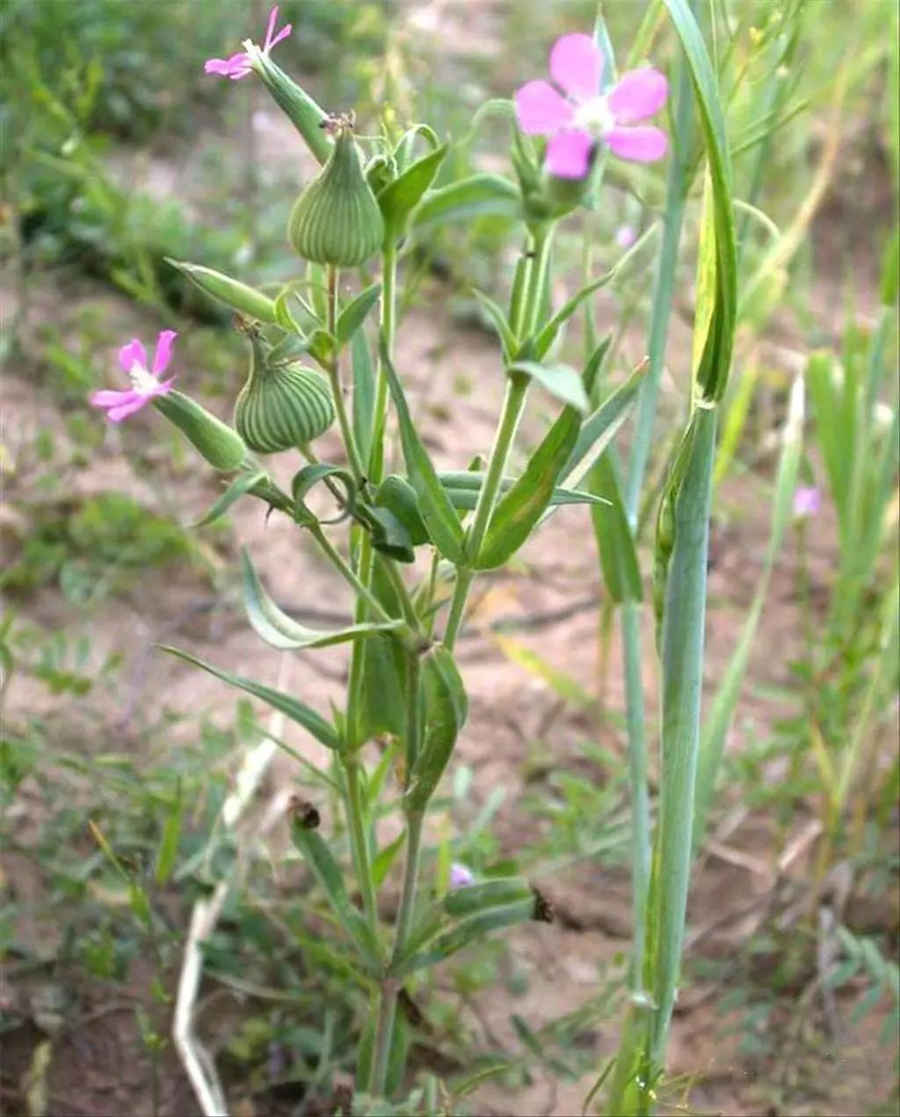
(513, 404)
(347, 573)
(384, 1034)
(359, 844)
(410, 877)
(334, 378)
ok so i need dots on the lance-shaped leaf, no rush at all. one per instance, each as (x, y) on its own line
(471, 929)
(363, 393)
(314, 723)
(615, 543)
(326, 871)
(498, 318)
(282, 631)
(547, 335)
(230, 291)
(600, 427)
(238, 487)
(354, 313)
(435, 508)
(310, 475)
(446, 706)
(399, 198)
(521, 508)
(465, 495)
(561, 381)
(480, 195)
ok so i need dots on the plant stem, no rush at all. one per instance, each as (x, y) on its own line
(513, 404)
(347, 573)
(384, 1034)
(358, 842)
(334, 378)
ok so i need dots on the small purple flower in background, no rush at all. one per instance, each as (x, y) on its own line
(238, 65)
(144, 384)
(625, 236)
(807, 502)
(460, 876)
(576, 121)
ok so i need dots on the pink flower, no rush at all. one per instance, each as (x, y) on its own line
(807, 501)
(576, 118)
(238, 65)
(460, 875)
(625, 236)
(144, 385)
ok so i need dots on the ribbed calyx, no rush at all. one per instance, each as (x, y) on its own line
(336, 220)
(282, 405)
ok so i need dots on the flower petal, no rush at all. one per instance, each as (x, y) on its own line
(270, 27)
(110, 398)
(163, 351)
(162, 387)
(638, 94)
(540, 109)
(642, 144)
(282, 34)
(569, 154)
(133, 353)
(117, 414)
(235, 67)
(576, 65)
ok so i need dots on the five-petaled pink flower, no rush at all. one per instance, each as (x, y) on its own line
(238, 65)
(576, 121)
(145, 384)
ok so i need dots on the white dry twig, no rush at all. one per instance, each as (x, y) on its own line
(197, 1061)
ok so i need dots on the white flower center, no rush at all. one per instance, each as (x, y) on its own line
(594, 116)
(141, 380)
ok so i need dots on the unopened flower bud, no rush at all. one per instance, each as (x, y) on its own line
(216, 441)
(336, 220)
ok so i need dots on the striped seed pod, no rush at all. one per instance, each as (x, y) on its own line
(282, 405)
(336, 220)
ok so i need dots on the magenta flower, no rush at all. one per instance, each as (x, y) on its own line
(144, 384)
(238, 65)
(807, 501)
(576, 118)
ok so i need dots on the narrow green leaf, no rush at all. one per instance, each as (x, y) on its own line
(399, 497)
(382, 861)
(498, 318)
(480, 195)
(615, 543)
(281, 631)
(354, 313)
(561, 381)
(436, 510)
(168, 843)
(600, 427)
(547, 336)
(363, 393)
(238, 487)
(472, 929)
(712, 366)
(399, 198)
(314, 723)
(446, 706)
(521, 508)
(466, 499)
(326, 871)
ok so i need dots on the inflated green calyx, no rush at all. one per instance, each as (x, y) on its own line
(282, 405)
(336, 220)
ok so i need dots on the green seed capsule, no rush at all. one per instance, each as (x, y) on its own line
(336, 220)
(216, 441)
(282, 405)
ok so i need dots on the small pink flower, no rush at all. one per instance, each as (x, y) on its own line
(460, 876)
(144, 384)
(807, 501)
(238, 65)
(576, 118)
(625, 236)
